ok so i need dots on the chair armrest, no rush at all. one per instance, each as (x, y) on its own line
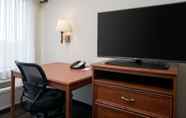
(27, 98)
(42, 85)
(37, 96)
(49, 87)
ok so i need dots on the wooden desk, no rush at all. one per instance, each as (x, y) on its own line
(59, 76)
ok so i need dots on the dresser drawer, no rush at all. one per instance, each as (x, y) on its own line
(108, 112)
(158, 106)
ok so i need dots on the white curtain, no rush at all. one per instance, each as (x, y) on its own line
(16, 33)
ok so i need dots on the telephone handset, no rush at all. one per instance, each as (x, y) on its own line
(78, 65)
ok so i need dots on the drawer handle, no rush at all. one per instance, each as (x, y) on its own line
(127, 99)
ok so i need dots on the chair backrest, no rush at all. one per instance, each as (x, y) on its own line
(34, 78)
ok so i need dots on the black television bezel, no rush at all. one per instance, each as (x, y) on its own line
(137, 58)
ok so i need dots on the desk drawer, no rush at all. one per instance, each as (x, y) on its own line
(158, 106)
(108, 112)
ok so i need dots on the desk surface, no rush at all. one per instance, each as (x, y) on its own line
(62, 74)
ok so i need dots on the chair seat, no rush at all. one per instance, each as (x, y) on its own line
(50, 99)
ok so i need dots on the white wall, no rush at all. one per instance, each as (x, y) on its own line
(83, 16)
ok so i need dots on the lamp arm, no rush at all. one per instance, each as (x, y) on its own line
(61, 37)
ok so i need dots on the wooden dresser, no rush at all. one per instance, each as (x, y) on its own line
(128, 92)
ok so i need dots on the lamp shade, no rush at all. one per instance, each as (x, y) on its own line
(63, 26)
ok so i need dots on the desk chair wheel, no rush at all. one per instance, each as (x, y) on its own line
(38, 115)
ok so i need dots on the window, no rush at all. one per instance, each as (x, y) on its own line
(16, 33)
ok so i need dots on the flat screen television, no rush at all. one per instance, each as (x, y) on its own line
(156, 32)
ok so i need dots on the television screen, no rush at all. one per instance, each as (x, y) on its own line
(156, 32)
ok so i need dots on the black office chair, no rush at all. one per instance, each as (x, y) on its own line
(40, 101)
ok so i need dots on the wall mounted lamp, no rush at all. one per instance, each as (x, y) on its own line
(43, 1)
(65, 28)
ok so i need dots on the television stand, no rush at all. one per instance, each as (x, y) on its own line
(139, 63)
(124, 92)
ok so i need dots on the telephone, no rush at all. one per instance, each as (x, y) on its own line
(78, 65)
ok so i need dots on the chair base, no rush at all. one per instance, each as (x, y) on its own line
(50, 114)
(80, 110)
(38, 115)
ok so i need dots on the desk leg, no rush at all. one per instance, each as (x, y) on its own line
(12, 109)
(68, 104)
